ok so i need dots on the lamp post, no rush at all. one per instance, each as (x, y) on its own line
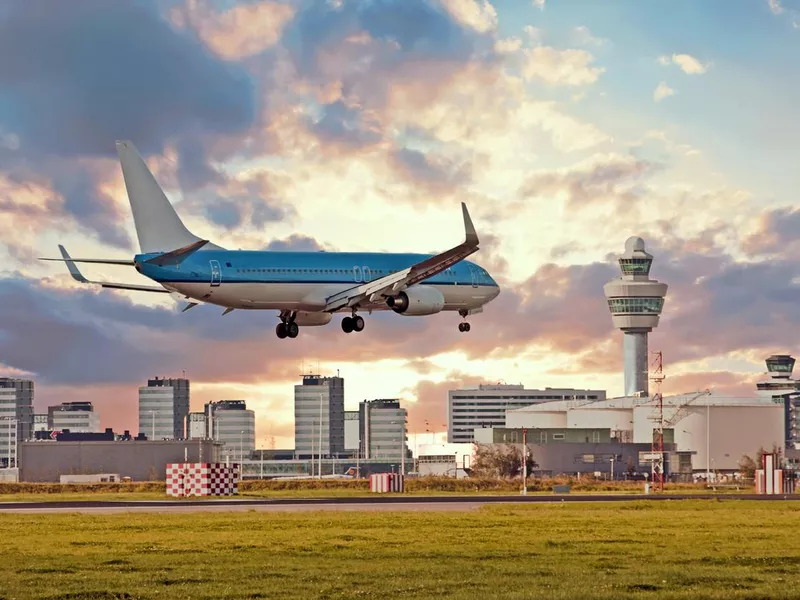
(241, 449)
(708, 442)
(524, 461)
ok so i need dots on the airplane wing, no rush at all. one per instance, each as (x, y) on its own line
(78, 276)
(396, 282)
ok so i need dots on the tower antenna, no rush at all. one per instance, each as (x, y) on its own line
(657, 447)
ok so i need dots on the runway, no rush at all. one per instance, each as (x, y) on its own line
(366, 503)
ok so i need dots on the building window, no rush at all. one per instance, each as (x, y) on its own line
(558, 436)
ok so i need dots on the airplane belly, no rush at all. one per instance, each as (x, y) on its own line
(250, 295)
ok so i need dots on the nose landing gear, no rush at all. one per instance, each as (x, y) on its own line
(463, 327)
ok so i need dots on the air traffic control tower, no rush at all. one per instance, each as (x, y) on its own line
(635, 302)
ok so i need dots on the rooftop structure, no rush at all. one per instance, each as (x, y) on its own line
(635, 302)
(783, 390)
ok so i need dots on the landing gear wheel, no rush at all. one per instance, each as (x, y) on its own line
(357, 323)
(292, 329)
(347, 324)
(463, 327)
(280, 331)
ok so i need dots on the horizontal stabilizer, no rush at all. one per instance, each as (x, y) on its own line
(98, 261)
(78, 276)
(176, 257)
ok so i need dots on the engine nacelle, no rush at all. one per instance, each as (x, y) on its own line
(312, 319)
(417, 301)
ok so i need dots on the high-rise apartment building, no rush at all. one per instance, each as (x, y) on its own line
(486, 406)
(319, 416)
(383, 430)
(163, 408)
(16, 416)
(78, 417)
(235, 426)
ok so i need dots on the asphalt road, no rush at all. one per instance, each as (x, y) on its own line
(367, 503)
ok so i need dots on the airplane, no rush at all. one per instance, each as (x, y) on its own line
(306, 288)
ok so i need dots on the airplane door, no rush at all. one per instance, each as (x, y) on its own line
(474, 275)
(216, 273)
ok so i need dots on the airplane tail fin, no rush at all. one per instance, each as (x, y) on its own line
(158, 226)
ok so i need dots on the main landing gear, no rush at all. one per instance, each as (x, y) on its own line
(463, 327)
(287, 327)
(354, 323)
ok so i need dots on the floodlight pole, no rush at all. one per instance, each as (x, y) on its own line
(524, 462)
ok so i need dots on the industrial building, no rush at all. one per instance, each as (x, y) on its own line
(197, 427)
(16, 416)
(785, 391)
(635, 302)
(234, 426)
(719, 429)
(78, 417)
(486, 406)
(319, 416)
(382, 430)
(163, 408)
(141, 460)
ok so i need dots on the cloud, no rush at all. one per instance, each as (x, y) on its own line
(148, 84)
(428, 412)
(775, 6)
(662, 91)
(242, 31)
(583, 36)
(478, 14)
(600, 178)
(560, 67)
(296, 243)
(539, 4)
(687, 63)
(348, 126)
(436, 173)
(777, 233)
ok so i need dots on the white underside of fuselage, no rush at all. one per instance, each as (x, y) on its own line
(306, 296)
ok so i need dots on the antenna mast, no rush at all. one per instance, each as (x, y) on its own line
(657, 377)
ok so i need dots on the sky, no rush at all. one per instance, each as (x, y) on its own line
(360, 125)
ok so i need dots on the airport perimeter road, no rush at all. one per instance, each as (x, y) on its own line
(366, 503)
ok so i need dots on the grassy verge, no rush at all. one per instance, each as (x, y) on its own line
(685, 549)
(331, 488)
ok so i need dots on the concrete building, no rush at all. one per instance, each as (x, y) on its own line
(47, 461)
(197, 428)
(319, 416)
(16, 417)
(233, 425)
(41, 422)
(163, 408)
(78, 417)
(486, 406)
(785, 391)
(352, 433)
(383, 430)
(635, 302)
(444, 460)
(719, 429)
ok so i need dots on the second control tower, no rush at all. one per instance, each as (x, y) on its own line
(635, 302)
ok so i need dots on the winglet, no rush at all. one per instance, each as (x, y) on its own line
(472, 236)
(73, 268)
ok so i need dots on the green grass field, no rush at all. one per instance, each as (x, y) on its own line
(677, 549)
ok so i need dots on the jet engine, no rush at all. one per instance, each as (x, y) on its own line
(417, 301)
(311, 319)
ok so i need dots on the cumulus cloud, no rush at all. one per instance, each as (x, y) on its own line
(478, 14)
(775, 6)
(560, 67)
(539, 4)
(662, 91)
(437, 173)
(687, 63)
(583, 36)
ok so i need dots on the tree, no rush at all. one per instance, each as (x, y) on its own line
(748, 465)
(500, 460)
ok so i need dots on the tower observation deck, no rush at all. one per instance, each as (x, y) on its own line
(635, 302)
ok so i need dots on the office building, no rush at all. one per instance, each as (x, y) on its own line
(352, 433)
(77, 417)
(16, 417)
(383, 430)
(235, 426)
(197, 429)
(486, 406)
(41, 422)
(319, 416)
(785, 391)
(163, 408)
(635, 302)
